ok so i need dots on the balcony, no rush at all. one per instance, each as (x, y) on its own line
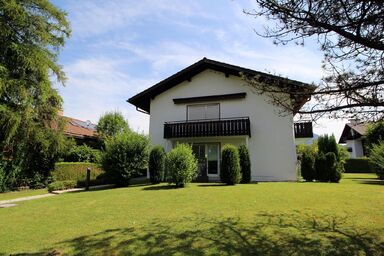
(208, 128)
(303, 129)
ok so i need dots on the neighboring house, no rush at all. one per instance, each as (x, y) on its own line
(83, 132)
(208, 105)
(353, 138)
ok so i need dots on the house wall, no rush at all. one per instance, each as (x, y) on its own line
(271, 145)
(356, 146)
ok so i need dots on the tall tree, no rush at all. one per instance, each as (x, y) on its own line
(350, 34)
(31, 35)
(111, 124)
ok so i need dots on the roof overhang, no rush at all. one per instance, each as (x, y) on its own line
(143, 99)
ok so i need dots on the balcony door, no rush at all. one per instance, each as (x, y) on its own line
(208, 156)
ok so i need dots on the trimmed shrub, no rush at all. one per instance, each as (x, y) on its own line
(181, 165)
(245, 164)
(61, 185)
(83, 153)
(358, 165)
(125, 156)
(333, 173)
(377, 159)
(75, 171)
(156, 164)
(307, 166)
(321, 167)
(230, 166)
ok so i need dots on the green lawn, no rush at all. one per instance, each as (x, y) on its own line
(22, 193)
(203, 219)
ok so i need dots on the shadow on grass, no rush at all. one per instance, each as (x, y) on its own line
(268, 234)
(371, 182)
(160, 187)
(212, 185)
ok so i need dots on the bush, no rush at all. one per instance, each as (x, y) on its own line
(75, 171)
(358, 165)
(377, 159)
(83, 153)
(61, 185)
(181, 165)
(230, 166)
(125, 156)
(374, 134)
(333, 173)
(321, 167)
(245, 164)
(156, 164)
(307, 166)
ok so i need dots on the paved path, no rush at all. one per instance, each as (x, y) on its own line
(27, 198)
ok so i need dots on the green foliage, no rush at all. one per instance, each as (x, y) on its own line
(156, 164)
(245, 164)
(307, 165)
(125, 156)
(377, 159)
(111, 124)
(333, 173)
(358, 165)
(61, 185)
(83, 153)
(327, 144)
(230, 166)
(75, 171)
(181, 165)
(321, 167)
(375, 134)
(31, 34)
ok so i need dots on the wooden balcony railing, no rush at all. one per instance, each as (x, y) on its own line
(303, 129)
(206, 128)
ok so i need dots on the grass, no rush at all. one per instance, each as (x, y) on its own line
(203, 219)
(22, 193)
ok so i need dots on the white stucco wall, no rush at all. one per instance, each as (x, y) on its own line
(357, 148)
(271, 145)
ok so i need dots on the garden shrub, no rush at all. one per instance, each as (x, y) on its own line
(156, 164)
(245, 164)
(358, 165)
(61, 185)
(333, 173)
(181, 165)
(307, 166)
(230, 166)
(83, 153)
(125, 156)
(374, 134)
(377, 159)
(321, 167)
(75, 171)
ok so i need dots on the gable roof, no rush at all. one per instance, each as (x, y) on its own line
(142, 100)
(353, 131)
(79, 129)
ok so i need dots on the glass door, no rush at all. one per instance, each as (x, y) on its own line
(199, 151)
(213, 157)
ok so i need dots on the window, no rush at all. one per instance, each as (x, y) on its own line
(203, 111)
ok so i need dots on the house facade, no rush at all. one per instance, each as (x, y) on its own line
(208, 105)
(353, 138)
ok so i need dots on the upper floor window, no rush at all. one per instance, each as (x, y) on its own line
(203, 111)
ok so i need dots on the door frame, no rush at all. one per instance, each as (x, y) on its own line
(218, 144)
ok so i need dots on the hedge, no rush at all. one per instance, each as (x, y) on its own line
(358, 165)
(76, 171)
(61, 185)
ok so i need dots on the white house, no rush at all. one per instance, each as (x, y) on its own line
(353, 138)
(208, 105)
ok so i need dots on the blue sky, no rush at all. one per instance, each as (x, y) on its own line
(119, 48)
